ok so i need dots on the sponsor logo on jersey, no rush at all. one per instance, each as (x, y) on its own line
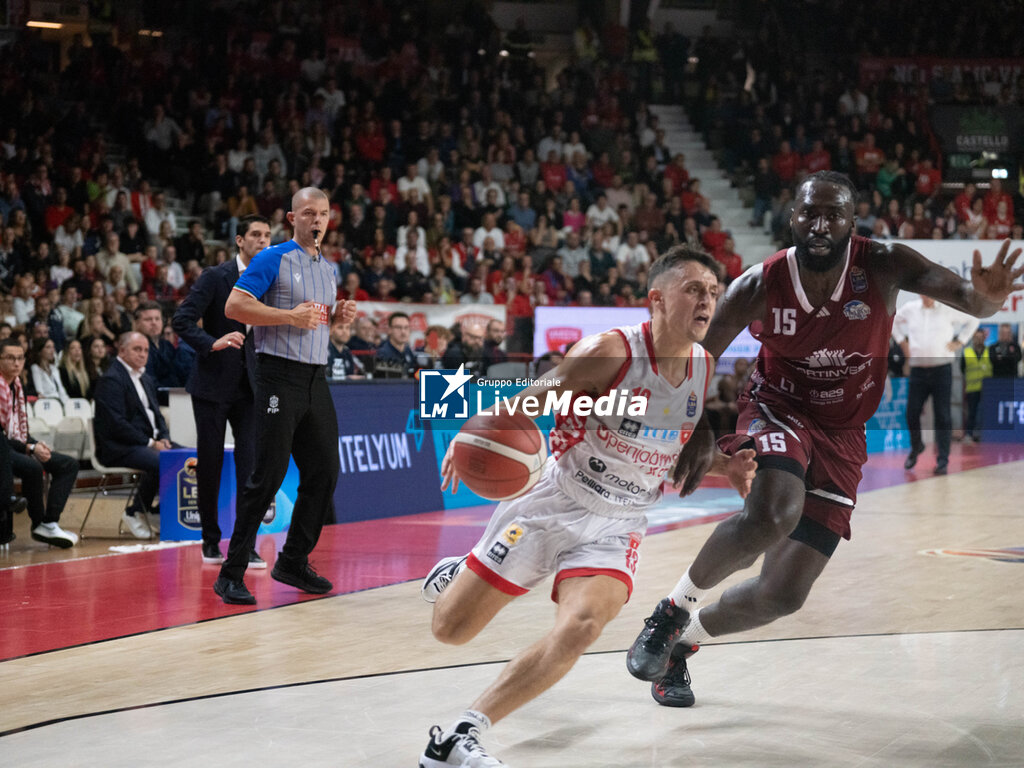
(512, 534)
(858, 280)
(597, 465)
(629, 428)
(633, 552)
(757, 425)
(691, 405)
(497, 552)
(833, 364)
(827, 395)
(856, 310)
(654, 461)
(663, 435)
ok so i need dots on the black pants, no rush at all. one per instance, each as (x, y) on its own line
(972, 424)
(6, 478)
(294, 417)
(62, 469)
(147, 461)
(211, 419)
(937, 383)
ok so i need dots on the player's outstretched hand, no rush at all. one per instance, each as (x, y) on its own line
(740, 470)
(996, 282)
(695, 459)
(448, 473)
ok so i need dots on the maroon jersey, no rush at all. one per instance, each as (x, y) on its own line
(828, 362)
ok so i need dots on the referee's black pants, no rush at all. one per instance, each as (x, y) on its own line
(935, 382)
(294, 417)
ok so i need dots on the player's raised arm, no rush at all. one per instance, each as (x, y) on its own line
(980, 296)
(742, 304)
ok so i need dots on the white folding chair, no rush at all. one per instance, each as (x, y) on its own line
(69, 437)
(106, 473)
(79, 407)
(48, 409)
(40, 430)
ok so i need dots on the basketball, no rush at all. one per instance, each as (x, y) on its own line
(499, 456)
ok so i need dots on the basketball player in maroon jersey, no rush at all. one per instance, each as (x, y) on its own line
(823, 311)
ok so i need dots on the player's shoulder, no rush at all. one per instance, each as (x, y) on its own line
(614, 342)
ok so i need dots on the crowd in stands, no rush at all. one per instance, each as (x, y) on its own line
(456, 174)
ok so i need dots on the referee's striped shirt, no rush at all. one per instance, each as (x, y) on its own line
(284, 276)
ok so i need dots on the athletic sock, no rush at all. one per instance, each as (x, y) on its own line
(686, 594)
(694, 632)
(473, 718)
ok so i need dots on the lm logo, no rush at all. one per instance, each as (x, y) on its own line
(443, 394)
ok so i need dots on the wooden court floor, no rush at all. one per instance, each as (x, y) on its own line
(907, 653)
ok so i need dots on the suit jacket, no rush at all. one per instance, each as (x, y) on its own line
(120, 424)
(222, 376)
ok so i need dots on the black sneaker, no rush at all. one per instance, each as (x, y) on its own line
(912, 458)
(462, 748)
(304, 578)
(233, 592)
(942, 468)
(673, 690)
(212, 554)
(647, 658)
(17, 504)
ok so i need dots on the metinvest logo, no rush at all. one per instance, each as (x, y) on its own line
(443, 394)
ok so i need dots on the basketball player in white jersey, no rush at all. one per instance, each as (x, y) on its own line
(584, 519)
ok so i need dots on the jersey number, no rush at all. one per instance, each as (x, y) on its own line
(785, 320)
(773, 442)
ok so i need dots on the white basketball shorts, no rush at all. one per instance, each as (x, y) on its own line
(544, 532)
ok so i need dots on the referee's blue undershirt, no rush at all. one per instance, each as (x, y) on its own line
(284, 276)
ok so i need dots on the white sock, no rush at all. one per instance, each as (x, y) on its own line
(694, 633)
(686, 594)
(476, 719)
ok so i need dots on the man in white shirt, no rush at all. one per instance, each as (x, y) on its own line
(23, 304)
(110, 255)
(414, 245)
(476, 293)
(931, 335)
(70, 317)
(600, 213)
(486, 184)
(157, 214)
(488, 228)
(413, 180)
(334, 99)
(631, 256)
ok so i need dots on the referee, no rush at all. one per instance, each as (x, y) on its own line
(287, 294)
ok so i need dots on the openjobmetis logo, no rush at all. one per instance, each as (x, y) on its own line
(1002, 555)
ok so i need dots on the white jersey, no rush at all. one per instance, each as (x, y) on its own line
(615, 465)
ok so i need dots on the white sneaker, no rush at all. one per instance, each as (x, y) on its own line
(440, 576)
(153, 518)
(136, 525)
(462, 748)
(54, 535)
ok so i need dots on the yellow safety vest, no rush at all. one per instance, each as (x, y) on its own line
(975, 369)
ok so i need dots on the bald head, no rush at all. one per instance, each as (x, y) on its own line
(309, 215)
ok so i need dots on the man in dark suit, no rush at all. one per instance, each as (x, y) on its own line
(220, 380)
(129, 429)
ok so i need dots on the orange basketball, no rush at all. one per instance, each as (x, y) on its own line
(499, 456)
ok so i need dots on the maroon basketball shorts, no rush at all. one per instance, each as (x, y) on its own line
(829, 461)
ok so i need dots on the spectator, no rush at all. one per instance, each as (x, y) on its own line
(160, 358)
(395, 358)
(468, 350)
(1005, 354)
(73, 372)
(341, 363)
(46, 380)
(476, 294)
(30, 458)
